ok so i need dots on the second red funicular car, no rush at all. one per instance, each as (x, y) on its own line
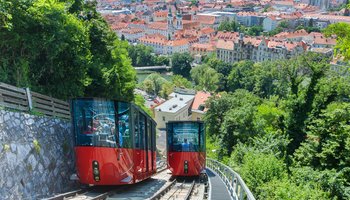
(186, 147)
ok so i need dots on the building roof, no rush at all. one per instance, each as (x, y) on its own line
(203, 47)
(225, 44)
(158, 25)
(199, 101)
(176, 103)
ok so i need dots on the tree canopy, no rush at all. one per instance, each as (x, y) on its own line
(283, 125)
(181, 64)
(64, 49)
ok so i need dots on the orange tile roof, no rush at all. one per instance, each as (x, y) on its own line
(179, 42)
(206, 19)
(227, 35)
(203, 47)
(132, 30)
(225, 44)
(199, 99)
(158, 25)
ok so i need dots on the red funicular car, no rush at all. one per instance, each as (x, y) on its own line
(186, 147)
(114, 142)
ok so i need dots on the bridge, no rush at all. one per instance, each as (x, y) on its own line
(152, 67)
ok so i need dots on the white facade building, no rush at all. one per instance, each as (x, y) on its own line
(177, 108)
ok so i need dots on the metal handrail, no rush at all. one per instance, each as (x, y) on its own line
(237, 188)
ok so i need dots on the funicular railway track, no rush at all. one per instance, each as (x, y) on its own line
(182, 189)
(103, 192)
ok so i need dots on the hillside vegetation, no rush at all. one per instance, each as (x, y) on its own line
(285, 127)
(63, 48)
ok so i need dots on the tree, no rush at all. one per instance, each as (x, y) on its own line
(140, 101)
(63, 49)
(205, 78)
(181, 64)
(167, 88)
(222, 68)
(328, 139)
(154, 83)
(343, 39)
(241, 76)
(161, 60)
(231, 117)
(44, 46)
(141, 55)
(228, 25)
(179, 81)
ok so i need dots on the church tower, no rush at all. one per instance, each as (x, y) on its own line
(171, 28)
(179, 25)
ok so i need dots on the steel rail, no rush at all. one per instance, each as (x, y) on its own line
(190, 191)
(163, 191)
(67, 194)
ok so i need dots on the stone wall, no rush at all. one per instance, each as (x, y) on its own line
(36, 156)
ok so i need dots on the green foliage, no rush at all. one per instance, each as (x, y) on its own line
(167, 89)
(160, 60)
(231, 117)
(222, 68)
(294, 117)
(141, 55)
(205, 78)
(335, 183)
(228, 26)
(6, 147)
(36, 113)
(241, 76)
(252, 30)
(258, 169)
(179, 81)
(285, 189)
(157, 85)
(309, 29)
(343, 38)
(140, 101)
(63, 49)
(36, 146)
(328, 139)
(181, 64)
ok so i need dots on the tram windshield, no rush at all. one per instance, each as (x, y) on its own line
(184, 136)
(95, 123)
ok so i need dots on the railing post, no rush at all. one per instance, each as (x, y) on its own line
(29, 98)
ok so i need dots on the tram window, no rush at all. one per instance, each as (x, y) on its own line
(149, 133)
(202, 137)
(136, 128)
(125, 138)
(169, 135)
(154, 133)
(142, 127)
(94, 122)
(184, 137)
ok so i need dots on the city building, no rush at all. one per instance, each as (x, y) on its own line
(257, 49)
(177, 108)
(198, 106)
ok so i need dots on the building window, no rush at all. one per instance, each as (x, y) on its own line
(163, 118)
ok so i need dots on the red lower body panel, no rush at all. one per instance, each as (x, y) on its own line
(195, 162)
(116, 166)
